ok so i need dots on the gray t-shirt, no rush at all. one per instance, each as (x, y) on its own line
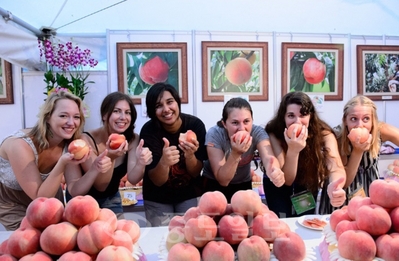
(217, 137)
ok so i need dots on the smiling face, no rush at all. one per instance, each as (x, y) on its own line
(167, 111)
(239, 119)
(293, 115)
(359, 116)
(65, 119)
(120, 117)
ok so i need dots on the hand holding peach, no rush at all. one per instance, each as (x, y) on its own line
(188, 136)
(359, 135)
(116, 140)
(294, 129)
(78, 148)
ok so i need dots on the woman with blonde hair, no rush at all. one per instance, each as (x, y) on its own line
(361, 158)
(33, 161)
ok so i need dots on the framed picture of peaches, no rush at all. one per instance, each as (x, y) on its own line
(313, 68)
(378, 71)
(140, 65)
(234, 68)
(6, 90)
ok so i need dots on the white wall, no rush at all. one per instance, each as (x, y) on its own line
(350, 22)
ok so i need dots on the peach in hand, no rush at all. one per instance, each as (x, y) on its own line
(356, 133)
(116, 140)
(78, 148)
(291, 129)
(188, 136)
(241, 135)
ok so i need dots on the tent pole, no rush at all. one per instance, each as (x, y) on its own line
(7, 15)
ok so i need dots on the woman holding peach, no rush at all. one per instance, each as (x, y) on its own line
(33, 161)
(231, 145)
(359, 138)
(126, 155)
(310, 160)
(172, 182)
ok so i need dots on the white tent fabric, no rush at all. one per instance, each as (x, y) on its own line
(19, 46)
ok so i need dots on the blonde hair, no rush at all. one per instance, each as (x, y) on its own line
(345, 145)
(41, 131)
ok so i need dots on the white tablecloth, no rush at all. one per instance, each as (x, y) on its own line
(151, 238)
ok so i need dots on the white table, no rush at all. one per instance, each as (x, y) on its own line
(152, 238)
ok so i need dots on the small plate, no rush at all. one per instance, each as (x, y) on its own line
(128, 202)
(325, 218)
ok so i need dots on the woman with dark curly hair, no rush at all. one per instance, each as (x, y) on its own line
(310, 161)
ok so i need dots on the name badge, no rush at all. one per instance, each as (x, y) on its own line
(303, 202)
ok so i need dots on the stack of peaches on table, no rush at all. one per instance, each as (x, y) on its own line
(369, 226)
(79, 231)
(244, 229)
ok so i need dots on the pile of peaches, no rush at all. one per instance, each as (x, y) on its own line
(80, 231)
(244, 229)
(369, 226)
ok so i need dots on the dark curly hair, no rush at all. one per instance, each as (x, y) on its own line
(312, 163)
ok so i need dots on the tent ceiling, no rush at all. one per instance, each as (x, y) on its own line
(67, 16)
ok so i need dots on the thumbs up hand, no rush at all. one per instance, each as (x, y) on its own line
(336, 193)
(275, 174)
(170, 154)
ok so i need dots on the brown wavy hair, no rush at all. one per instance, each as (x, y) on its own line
(312, 163)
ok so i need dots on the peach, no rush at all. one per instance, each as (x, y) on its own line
(373, 219)
(154, 70)
(24, 241)
(218, 251)
(114, 253)
(358, 133)
(38, 256)
(122, 238)
(253, 248)
(388, 247)
(109, 216)
(184, 252)
(188, 136)
(212, 203)
(384, 193)
(58, 238)
(268, 226)
(246, 202)
(116, 140)
(240, 135)
(357, 245)
(176, 221)
(25, 223)
(238, 71)
(294, 127)
(355, 203)
(131, 227)
(192, 212)
(289, 246)
(81, 210)
(95, 236)
(200, 230)
(4, 246)
(314, 71)
(7, 257)
(394, 214)
(175, 235)
(343, 226)
(43, 212)
(233, 229)
(78, 148)
(265, 209)
(75, 256)
(337, 216)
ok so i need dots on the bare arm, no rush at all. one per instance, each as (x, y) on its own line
(26, 171)
(389, 133)
(193, 165)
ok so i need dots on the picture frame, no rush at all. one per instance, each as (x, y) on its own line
(377, 66)
(6, 87)
(303, 69)
(136, 63)
(217, 81)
